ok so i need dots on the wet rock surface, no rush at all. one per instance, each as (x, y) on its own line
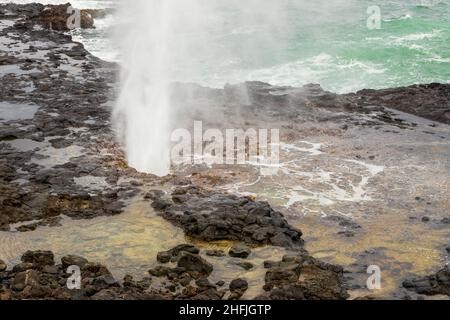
(63, 160)
(414, 99)
(73, 260)
(186, 280)
(174, 254)
(436, 284)
(39, 258)
(211, 216)
(239, 251)
(54, 17)
(259, 102)
(301, 277)
(238, 288)
(60, 158)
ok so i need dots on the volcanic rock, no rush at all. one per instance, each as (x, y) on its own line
(435, 284)
(211, 216)
(194, 263)
(237, 288)
(239, 251)
(39, 258)
(301, 277)
(24, 279)
(55, 17)
(72, 260)
(174, 253)
(3, 266)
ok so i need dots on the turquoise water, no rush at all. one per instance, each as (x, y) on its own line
(326, 42)
(332, 45)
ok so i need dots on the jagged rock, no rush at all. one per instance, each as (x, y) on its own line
(312, 280)
(301, 277)
(53, 193)
(92, 269)
(164, 257)
(435, 284)
(154, 195)
(211, 216)
(24, 266)
(160, 271)
(55, 17)
(39, 258)
(24, 279)
(50, 269)
(436, 108)
(159, 204)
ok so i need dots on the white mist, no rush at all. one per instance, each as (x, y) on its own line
(162, 41)
(153, 37)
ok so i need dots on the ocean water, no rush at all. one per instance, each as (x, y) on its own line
(325, 42)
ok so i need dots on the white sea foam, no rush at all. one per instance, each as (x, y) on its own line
(415, 37)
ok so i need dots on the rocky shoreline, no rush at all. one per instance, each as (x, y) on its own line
(436, 284)
(212, 216)
(60, 159)
(38, 277)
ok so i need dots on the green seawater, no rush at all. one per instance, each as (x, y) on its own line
(333, 46)
(325, 42)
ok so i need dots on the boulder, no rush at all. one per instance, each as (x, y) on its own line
(213, 216)
(73, 260)
(301, 277)
(237, 288)
(92, 269)
(194, 263)
(160, 271)
(25, 279)
(24, 266)
(56, 17)
(239, 251)
(39, 258)
(173, 254)
(238, 285)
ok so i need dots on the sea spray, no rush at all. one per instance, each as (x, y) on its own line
(166, 41)
(153, 39)
(160, 42)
